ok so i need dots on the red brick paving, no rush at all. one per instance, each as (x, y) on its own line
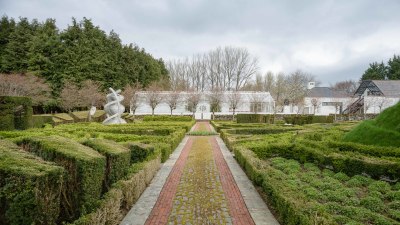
(161, 210)
(238, 211)
(237, 207)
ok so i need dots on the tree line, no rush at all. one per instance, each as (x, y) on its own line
(78, 53)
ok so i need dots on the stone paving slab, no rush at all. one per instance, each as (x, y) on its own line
(142, 208)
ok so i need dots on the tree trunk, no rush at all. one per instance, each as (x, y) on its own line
(233, 115)
(152, 111)
(171, 112)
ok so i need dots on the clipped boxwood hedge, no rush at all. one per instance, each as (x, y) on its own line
(140, 151)
(118, 159)
(167, 118)
(29, 187)
(255, 118)
(8, 106)
(85, 168)
(39, 121)
(307, 119)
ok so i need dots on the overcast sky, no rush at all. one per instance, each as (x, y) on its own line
(333, 40)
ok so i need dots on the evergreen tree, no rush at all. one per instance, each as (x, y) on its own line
(394, 68)
(7, 26)
(45, 48)
(376, 71)
(15, 58)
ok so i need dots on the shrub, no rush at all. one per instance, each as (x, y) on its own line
(167, 118)
(29, 187)
(15, 112)
(373, 203)
(139, 151)
(307, 119)
(118, 159)
(39, 121)
(85, 168)
(255, 118)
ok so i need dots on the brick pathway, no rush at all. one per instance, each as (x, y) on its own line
(200, 188)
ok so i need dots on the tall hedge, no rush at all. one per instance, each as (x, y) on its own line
(9, 105)
(85, 171)
(30, 188)
(307, 119)
(118, 159)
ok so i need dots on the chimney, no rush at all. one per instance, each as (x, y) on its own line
(311, 85)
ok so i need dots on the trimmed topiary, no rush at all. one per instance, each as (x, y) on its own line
(85, 171)
(30, 188)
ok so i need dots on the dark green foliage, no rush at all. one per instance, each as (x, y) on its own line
(85, 169)
(140, 151)
(302, 119)
(394, 68)
(118, 159)
(376, 71)
(15, 112)
(167, 118)
(39, 121)
(254, 118)
(384, 130)
(80, 52)
(30, 188)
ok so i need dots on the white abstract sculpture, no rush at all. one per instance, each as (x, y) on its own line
(114, 108)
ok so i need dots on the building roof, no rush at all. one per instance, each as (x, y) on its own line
(389, 88)
(325, 92)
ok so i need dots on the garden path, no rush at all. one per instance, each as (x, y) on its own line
(200, 184)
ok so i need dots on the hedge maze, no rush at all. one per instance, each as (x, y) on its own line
(312, 175)
(83, 173)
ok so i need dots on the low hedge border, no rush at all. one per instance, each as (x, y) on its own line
(167, 118)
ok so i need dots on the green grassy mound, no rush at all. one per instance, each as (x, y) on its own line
(382, 131)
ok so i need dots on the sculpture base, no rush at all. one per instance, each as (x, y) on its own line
(114, 121)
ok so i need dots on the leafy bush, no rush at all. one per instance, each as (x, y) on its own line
(85, 171)
(9, 105)
(167, 118)
(118, 159)
(140, 151)
(307, 119)
(29, 187)
(255, 118)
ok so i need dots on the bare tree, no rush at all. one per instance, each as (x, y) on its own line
(25, 85)
(172, 99)
(153, 96)
(296, 84)
(192, 100)
(72, 96)
(279, 91)
(132, 98)
(347, 86)
(234, 100)
(215, 98)
(246, 67)
(382, 102)
(315, 103)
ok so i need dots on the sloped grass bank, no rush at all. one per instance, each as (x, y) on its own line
(102, 171)
(310, 176)
(384, 130)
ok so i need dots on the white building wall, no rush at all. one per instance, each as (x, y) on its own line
(376, 104)
(326, 106)
(203, 108)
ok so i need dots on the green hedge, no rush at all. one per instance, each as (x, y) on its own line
(39, 121)
(307, 119)
(29, 187)
(140, 151)
(118, 159)
(85, 171)
(8, 106)
(167, 118)
(255, 118)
